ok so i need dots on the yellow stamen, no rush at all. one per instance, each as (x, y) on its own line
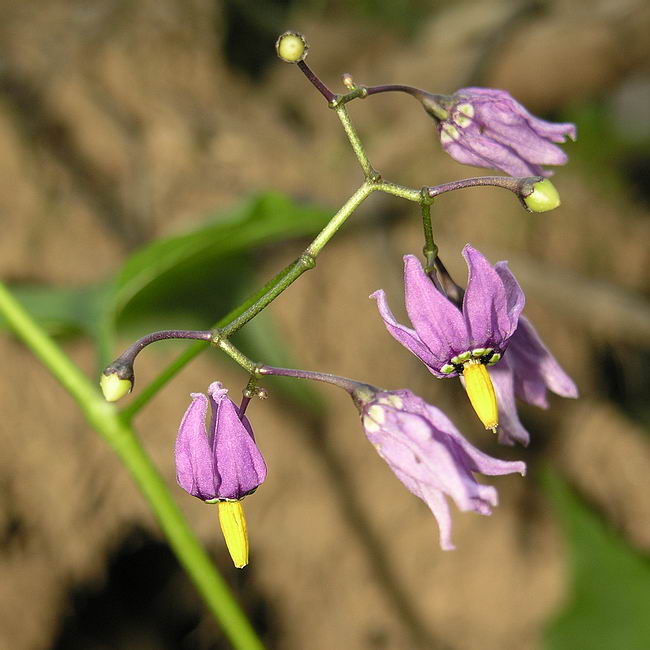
(481, 393)
(233, 527)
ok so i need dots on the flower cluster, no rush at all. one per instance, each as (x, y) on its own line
(476, 334)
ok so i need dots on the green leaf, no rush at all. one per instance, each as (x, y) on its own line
(63, 311)
(261, 220)
(610, 582)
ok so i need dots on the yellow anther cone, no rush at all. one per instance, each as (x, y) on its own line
(481, 394)
(233, 527)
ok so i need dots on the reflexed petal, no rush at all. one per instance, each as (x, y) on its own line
(484, 306)
(406, 442)
(440, 508)
(430, 457)
(406, 336)
(514, 295)
(239, 464)
(481, 151)
(523, 139)
(194, 465)
(438, 323)
(511, 429)
(535, 368)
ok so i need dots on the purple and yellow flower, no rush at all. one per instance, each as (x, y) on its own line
(429, 455)
(485, 127)
(459, 342)
(220, 464)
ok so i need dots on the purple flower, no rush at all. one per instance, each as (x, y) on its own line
(451, 341)
(221, 464)
(429, 455)
(488, 128)
(224, 462)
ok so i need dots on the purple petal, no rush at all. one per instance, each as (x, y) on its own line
(194, 465)
(405, 441)
(468, 455)
(556, 131)
(438, 505)
(485, 305)
(439, 324)
(475, 148)
(406, 336)
(511, 429)
(240, 467)
(514, 295)
(535, 369)
(503, 123)
(216, 392)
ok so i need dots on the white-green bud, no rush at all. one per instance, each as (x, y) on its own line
(291, 47)
(543, 198)
(113, 387)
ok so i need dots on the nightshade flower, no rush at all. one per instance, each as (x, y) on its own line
(453, 342)
(429, 455)
(221, 464)
(485, 127)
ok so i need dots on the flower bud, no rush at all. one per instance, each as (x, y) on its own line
(114, 387)
(291, 47)
(543, 198)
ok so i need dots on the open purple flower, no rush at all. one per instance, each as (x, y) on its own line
(429, 455)
(451, 341)
(485, 127)
(221, 464)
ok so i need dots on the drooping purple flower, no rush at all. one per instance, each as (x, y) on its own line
(485, 127)
(222, 462)
(429, 455)
(453, 341)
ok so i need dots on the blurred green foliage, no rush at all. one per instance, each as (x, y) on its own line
(610, 582)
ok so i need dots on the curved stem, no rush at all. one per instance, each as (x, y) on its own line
(106, 420)
(519, 186)
(399, 88)
(316, 82)
(350, 385)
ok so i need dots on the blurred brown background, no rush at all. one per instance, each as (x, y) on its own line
(121, 122)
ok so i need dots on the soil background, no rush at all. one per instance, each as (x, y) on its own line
(122, 122)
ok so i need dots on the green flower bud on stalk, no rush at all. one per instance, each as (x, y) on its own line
(113, 387)
(543, 198)
(291, 47)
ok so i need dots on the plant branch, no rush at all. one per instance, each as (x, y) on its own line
(106, 420)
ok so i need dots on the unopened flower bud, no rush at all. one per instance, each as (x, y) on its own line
(114, 387)
(291, 47)
(543, 198)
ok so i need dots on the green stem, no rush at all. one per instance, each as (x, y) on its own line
(236, 354)
(339, 218)
(401, 191)
(239, 316)
(121, 437)
(368, 171)
(430, 249)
